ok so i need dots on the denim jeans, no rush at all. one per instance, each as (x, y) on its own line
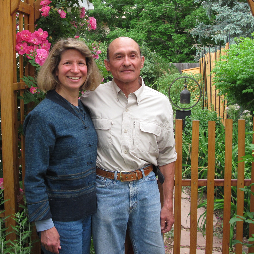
(135, 205)
(75, 236)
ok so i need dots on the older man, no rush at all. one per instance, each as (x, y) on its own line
(134, 124)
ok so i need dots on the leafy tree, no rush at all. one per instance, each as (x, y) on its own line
(234, 73)
(225, 18)
(163, 25)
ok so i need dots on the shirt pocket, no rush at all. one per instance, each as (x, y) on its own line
(103, 129)
(145, 137)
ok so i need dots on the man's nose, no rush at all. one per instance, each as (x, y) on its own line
(127, 61)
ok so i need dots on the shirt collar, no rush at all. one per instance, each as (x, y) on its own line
(138, 93)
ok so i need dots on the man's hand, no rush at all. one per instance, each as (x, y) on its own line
(50, 239)
(167, 220)
(167, 213)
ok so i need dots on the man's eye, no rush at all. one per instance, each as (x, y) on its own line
(133, 56)
(118, 57)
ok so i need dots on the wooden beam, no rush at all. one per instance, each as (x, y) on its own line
(14, 6)
(24, 8)
(37, 6)
(251, 4)
(7, 108)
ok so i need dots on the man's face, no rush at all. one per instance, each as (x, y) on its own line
(125, 61)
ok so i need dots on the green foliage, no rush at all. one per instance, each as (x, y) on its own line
(164, 26)
(234, 74)
(224, 18)
(247, 218)
(58, 27)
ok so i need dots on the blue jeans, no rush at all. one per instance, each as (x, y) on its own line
(135, 205)
(75, 236)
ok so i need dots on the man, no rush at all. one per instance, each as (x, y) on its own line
(134, 124)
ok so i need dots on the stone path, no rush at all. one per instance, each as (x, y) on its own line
(185, 233)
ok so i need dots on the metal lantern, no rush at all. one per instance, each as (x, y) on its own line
(185, 96)
(184, 99)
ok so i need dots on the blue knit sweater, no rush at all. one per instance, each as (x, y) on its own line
(60, 153)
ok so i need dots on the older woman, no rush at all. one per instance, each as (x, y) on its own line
(61, 145)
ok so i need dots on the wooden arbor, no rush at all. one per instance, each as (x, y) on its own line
(15, 16)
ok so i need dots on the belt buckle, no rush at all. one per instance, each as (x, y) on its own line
(136, 172)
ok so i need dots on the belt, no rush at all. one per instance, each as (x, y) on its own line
(125, 176)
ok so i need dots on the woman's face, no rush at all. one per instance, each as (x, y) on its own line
(72, 70)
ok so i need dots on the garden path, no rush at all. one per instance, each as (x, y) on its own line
(185, 233)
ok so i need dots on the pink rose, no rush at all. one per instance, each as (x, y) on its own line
(35, 38)
(33, 90)
(41, 56)
(1, 183)
(82, 12)
(42, 34)
(76, 37)
(25, 35)
(22, 48)
(62, 13)
(45, 2)
(92, 23)
(44, 11)
(46, 45)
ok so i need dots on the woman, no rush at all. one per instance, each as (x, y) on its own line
(61, 145)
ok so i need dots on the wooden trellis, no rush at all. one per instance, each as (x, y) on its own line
(15, 16)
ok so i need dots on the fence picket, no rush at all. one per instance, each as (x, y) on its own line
(210, 186)
(251, 226)
(194, 187)
(240, 184)
(227, 185)
(178, 186)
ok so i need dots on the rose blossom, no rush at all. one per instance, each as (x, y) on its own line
(22, 48)
(82, 12)
(62, 13)
(45, 2)
(45, 11)
(41, 56)
(92, 23)
(33, 90)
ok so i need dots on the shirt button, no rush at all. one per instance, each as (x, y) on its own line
(125, 131)
(125, 152)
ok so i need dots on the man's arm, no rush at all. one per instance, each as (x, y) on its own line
(167, 213)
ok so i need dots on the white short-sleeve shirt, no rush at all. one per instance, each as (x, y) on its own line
(134, 131)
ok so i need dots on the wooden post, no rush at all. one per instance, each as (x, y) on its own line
(7, 110)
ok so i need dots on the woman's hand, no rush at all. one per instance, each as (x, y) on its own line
(50, 240)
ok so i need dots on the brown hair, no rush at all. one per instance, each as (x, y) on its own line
(47, 79)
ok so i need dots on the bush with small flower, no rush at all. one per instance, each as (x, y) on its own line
(58, 20)
(35, 47)
(64, 19)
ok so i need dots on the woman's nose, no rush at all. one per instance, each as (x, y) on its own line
(75, 67)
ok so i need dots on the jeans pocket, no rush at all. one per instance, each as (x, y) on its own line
(103, 182)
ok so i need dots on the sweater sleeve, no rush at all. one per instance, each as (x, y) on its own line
(39, 142)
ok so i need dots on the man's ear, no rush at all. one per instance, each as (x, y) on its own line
(142, 61)
(107, 65)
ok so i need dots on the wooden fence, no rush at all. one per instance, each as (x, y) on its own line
(211, 98)
(211, 182)
(15, 16)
